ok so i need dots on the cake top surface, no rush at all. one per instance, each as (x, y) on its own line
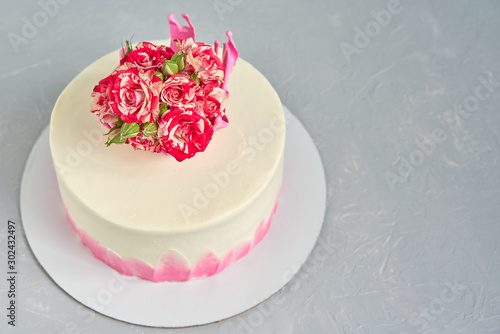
(227, 176)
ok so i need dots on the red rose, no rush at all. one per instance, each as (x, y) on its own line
(134, 94)
(179, 90)
(183, 133)
(148, 56)
(214, 102)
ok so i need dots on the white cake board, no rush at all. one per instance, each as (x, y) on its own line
(267, 268)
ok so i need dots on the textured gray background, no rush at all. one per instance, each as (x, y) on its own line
(415, 253)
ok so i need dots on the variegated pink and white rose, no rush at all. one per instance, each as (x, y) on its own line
(134, 95)
(184, 132)
(214, 102)
(99, 103)
(201, 58)
(151, 144)
(148, 56)
(179, 90)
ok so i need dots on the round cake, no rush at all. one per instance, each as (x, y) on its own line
(151, 216)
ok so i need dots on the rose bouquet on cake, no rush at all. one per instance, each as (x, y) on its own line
(166, 99)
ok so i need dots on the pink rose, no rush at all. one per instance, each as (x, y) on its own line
(148, 56)
(151, 143)
(99, 103)
(183, 133)
(214, 102)
(180, 90)
(134, 94)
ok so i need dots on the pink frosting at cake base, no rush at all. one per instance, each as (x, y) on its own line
(172, 267)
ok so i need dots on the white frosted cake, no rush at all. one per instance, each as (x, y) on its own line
(149, 215)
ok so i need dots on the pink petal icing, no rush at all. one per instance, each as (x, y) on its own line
(264, 227)
(234, 255)
(172, 267)
(207, 266)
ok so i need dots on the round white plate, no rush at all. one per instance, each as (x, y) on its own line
(267, 268)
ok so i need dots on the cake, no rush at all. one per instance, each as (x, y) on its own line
(149, 215)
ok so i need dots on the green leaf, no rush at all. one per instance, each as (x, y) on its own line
(163, 108)
(112, 129)
(194, 77)
(118, 139)
(130, 130)
(178, 55)
(149, 129)
(160, 75)
(129, 44)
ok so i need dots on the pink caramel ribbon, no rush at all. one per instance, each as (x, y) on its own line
(178, 31)
(216, 47)
(229, 57)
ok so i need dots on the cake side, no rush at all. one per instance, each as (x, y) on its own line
(185, 256)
